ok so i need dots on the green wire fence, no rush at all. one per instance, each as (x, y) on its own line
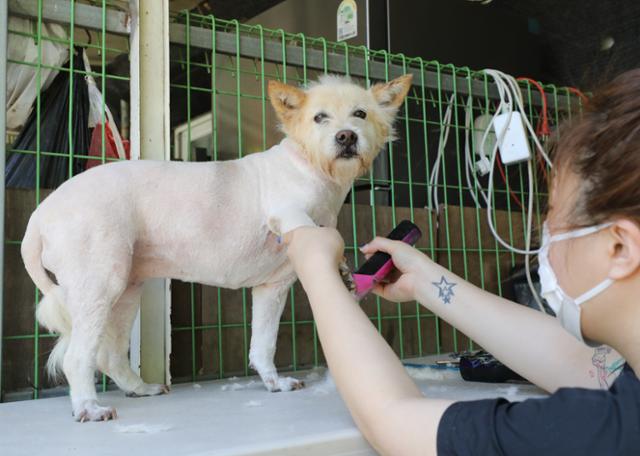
(220, 110)
(25, 345)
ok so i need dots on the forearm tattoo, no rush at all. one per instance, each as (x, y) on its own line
(605, 368)
(445, 290)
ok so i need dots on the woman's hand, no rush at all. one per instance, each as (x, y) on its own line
(309, 247)
(409, 262)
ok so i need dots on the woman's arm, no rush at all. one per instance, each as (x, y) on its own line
(529, 342)
(385, 403)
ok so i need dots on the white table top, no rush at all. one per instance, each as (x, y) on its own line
(226, 417)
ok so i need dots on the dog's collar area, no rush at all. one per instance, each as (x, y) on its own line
(296, 152)
(299, 158)
(291, 146)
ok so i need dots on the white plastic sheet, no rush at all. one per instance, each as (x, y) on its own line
(22, 78)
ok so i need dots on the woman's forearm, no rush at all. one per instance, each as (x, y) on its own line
(361, 362)
(530, 342)
(371, 379)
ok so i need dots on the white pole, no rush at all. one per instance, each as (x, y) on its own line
(150, 129)
(134, 137)
(3, 155)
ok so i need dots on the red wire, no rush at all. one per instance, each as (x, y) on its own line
(540, 160)
(582, 96)
(544, 129)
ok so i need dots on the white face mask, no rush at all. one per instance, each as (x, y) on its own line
(567, 309)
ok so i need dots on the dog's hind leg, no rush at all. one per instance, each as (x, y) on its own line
(113, 358)
(89, 306)
(268, 304)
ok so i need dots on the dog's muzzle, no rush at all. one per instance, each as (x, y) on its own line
(347, 141)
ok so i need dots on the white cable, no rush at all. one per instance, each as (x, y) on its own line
(511, 100)
(468, 162)
(435, 172)
(508, 91)
(515, 89)
(519, 100)
(490, 208)
(508, 83)
(444, 136)
(505, 106)
(534, 292)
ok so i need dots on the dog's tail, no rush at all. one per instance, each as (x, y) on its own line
(51, 312)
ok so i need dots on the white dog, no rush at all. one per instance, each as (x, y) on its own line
(91, 244)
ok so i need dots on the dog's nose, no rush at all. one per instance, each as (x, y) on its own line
(346, 138)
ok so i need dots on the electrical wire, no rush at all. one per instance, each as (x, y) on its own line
(542, 129)
(435, 173)
(511, 100)
(468, 161)
(582, 96)
(506, 184)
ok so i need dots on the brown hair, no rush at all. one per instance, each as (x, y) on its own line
(602, 147)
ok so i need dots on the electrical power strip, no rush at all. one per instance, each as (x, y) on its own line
(514, 143)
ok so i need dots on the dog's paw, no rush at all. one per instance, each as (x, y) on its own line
(91, 411)
(347, 278)
(149, 389)
(279, 384)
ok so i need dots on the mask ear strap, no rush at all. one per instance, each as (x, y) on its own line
(606, 283)
(580, 232)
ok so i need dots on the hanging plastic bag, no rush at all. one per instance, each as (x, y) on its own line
(53, 133)
(113, 139)
(110, 149)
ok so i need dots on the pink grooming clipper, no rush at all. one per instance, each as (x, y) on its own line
(380, 264)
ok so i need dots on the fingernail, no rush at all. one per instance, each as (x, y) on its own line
(361, 246)
(279, 239)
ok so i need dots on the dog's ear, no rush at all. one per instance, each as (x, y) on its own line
(286, 99)
(391, 94)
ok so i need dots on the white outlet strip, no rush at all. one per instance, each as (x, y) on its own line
(514, 147)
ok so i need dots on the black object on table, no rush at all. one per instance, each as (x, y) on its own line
(483, 367)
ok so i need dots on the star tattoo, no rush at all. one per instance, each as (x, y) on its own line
(445, 290)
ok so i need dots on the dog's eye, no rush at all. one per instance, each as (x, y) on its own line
(360, 114)
(320, 117)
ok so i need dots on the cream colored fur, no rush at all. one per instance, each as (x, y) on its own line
(107, 230)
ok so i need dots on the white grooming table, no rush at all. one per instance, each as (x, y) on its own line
(222, 418)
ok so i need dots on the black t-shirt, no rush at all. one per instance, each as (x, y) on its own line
(572, 421)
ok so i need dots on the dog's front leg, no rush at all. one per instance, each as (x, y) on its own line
(268, 304)
(284, 219)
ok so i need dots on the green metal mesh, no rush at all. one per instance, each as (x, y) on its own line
(26, 345)
(211, 327)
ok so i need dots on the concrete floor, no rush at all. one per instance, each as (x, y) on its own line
(227, 417)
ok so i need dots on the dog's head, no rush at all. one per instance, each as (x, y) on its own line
(340, 126)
